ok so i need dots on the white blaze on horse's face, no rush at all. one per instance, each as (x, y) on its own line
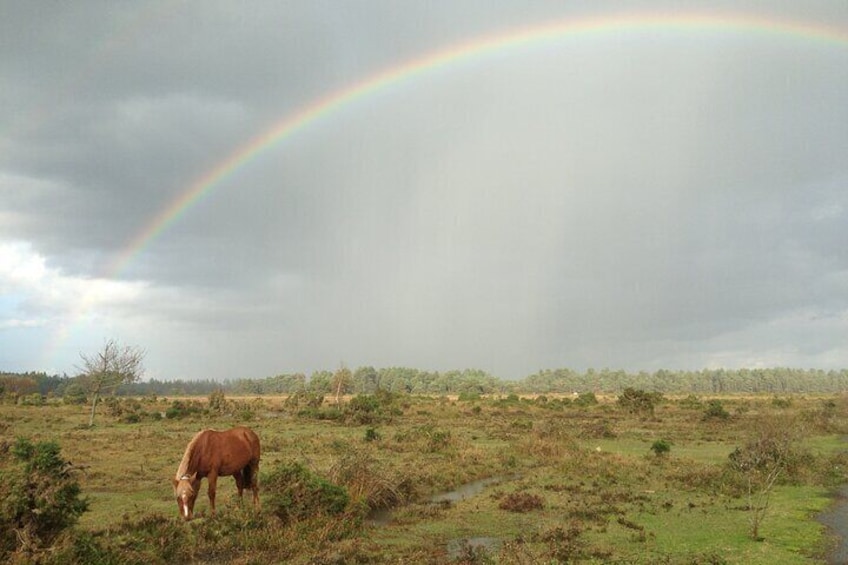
(185, 497)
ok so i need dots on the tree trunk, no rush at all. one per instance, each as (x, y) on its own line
(93, 406)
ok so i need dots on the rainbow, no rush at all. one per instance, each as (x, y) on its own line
(322, 108)
(479, 47)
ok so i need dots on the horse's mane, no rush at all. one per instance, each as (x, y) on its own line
(183, 468)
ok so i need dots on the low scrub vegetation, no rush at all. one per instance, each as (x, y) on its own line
(381, 477)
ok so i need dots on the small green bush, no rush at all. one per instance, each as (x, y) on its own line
(363, 409)
(181, 409)
(586, 399)
(39, 498)
(661, 447)
(332, 414)
(636, 401)
(692, 402)
(715, 411)
(74, 394)
(295, 493)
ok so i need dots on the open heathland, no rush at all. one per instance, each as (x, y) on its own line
(396, 478)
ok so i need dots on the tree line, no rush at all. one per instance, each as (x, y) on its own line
(367, 380)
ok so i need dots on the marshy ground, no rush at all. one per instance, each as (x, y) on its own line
(543, 479)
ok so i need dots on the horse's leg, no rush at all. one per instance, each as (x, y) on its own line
(212, 477)
(239, 477)
(254, 482)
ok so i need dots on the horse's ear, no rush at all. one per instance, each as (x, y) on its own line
(193, 476)
(175, 481)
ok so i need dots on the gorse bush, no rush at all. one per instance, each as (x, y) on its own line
(715, 411)
(183, 408)
(39, 497)
(637, 401)
(586, 399)
(218, 403)
(661, 447)
(293, 492)
(363, 409)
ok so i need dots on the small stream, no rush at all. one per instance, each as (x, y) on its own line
(465, 491)
(836, 519)
(384, 516)
(455, 547)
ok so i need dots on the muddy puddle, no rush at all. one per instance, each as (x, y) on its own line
(384, 517)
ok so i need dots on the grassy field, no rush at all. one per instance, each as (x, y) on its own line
(570, 482)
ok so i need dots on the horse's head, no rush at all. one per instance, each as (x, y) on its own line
(185, 489)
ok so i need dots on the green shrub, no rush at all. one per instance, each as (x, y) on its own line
(692, 402)
(661, 447)
(181, 409)
(39, 498)
(363, 409)
(74, 394)
(715, 411)
(295, 493)
(85, 547)
(332, 414)
(638, 401)
(586, 399)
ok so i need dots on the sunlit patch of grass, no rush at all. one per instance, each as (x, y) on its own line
(789, 533)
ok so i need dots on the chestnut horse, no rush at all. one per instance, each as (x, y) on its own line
(214, 454)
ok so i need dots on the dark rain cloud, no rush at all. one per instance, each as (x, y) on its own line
(618, 199)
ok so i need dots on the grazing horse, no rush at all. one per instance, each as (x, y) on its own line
(214, 454)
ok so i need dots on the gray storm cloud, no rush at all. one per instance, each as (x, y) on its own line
(636, 200)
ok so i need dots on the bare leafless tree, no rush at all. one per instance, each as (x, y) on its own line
(762, 460)
(342, 381)
(113, 365)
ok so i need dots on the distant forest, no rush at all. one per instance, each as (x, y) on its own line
(367, 380)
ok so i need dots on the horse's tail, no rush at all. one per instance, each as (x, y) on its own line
(250, 475)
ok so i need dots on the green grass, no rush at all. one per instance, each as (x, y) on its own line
(628, 504)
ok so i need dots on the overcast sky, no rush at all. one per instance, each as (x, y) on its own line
(671, 196)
